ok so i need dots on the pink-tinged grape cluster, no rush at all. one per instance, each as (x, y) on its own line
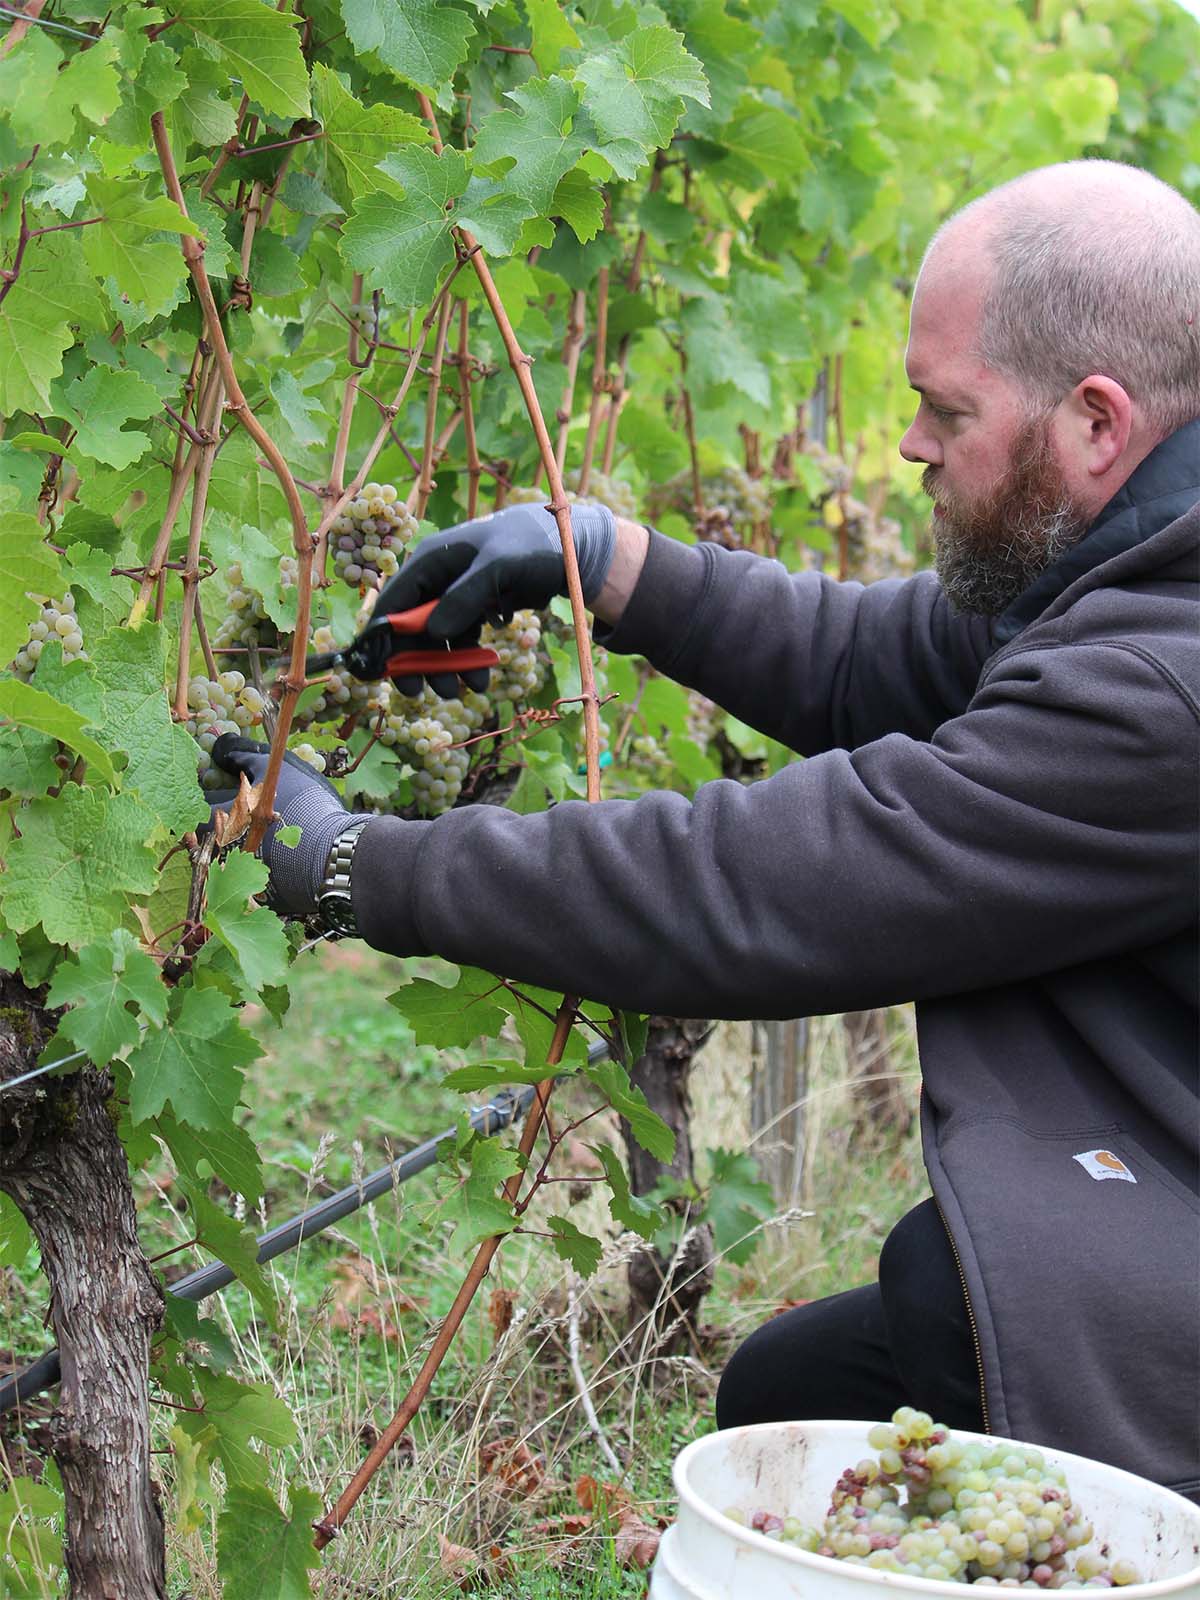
(603, 490)
(368, 533)
(734, 504)
(57, 621)
(991, 1513)
(429, 733)
(225, 704)
(521, 672)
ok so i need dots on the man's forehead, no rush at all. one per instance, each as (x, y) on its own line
(944, 318)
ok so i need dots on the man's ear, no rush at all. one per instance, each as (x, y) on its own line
(1095, 424)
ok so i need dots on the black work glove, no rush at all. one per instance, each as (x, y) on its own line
(304, 799)
(489, 568)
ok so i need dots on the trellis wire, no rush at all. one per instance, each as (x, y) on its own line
(488, 1120)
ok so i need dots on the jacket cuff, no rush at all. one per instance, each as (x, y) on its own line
(385, 856)
(668, 596)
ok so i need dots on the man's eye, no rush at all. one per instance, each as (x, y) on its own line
(940, 412)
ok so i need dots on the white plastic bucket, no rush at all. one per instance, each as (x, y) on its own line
(791, 1467)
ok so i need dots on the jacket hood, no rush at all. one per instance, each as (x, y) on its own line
(1162, 489)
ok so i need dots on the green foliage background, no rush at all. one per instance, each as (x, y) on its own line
(782, 166)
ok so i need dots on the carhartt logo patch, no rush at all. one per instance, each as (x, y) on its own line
(1103, 1164)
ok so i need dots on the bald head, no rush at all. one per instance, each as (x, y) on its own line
(1081, 268)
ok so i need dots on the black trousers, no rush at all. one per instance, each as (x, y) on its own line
(905, 1340)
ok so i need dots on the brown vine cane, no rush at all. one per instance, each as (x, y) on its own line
(327, 1528)
(302, 542)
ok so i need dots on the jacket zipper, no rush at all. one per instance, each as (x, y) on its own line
(962, 1278)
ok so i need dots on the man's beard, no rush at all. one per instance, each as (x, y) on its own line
(988, 551)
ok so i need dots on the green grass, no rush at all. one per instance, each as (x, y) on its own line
(341, 1089)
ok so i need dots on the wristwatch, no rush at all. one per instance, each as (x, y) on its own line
(335, 910)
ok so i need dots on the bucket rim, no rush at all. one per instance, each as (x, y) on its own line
(902, 1580)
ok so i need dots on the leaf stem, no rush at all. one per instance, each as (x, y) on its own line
(425, 484)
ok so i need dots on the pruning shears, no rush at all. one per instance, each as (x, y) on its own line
(372, 655)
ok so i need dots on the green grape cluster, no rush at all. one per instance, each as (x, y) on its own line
(245, 621)
(521, 672)
(647, 755)
(984, 1513)
(224, 704)
(603, 490)
(874, 546)
(428, 732)
(57, 621)
(365, 537)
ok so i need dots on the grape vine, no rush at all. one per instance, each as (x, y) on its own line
(264, 275)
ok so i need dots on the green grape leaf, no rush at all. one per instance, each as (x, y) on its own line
(233, 1243)
(16, 1239)
(491, 1075)
(76, 858)
(552, 33)
(53, 294)
(229, 1153)
(263, 1554)
(108, 978)
(539, 141)
(220, 258)
(194, 1064)
(98, 406)
(253, 935)
(635, 93)
(737, 1202)
(239, 1412)
(579, 201)
(258, 44)
(647, 1127)
(27, 765)
(1084, 102)
(358, 137)
(32, 707)
(27, 566)
(421, 41)
(305, 417)
(203, 113)
(571, 1244)
(472, 1203)
(136, 241)
(629, 1209)
(475, 1007)
(496, 218)
(763, 141)
(403, 243)
(130, 666)
(42, 92)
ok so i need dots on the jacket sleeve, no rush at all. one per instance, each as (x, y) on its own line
(1052, 823)
(816, 664)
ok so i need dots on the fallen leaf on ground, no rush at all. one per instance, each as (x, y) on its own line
(514, 1464)
(606, 1499)
(366, 1298)
(501, 1305)
(635, 1542)
(458, 1562)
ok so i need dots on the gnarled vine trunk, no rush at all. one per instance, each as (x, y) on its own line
(63, 1165)
(670, 1289)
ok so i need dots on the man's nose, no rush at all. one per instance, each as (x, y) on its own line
(918, 444)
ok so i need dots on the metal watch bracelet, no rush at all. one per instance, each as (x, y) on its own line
(335, 909)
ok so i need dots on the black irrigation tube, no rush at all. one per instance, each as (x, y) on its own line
(488, 1120)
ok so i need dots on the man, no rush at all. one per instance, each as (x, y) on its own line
(997, 820)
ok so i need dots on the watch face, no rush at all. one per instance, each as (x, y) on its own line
(336, 911)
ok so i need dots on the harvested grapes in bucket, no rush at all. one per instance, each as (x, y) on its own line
(954, 1511)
